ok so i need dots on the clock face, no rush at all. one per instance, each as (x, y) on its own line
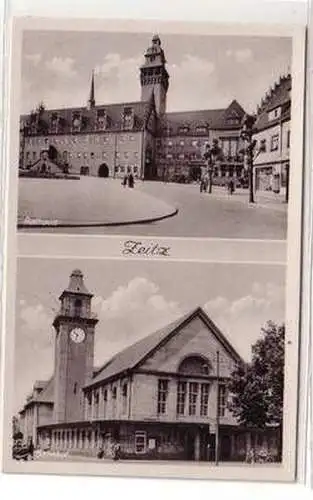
(77, 335)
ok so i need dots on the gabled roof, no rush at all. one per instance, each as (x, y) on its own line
(130, 358)
(211, 118)
(45, 396)
(279, 96)
(114, 113)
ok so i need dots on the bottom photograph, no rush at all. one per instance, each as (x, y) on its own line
(126, 361)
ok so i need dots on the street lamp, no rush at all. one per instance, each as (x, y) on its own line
(246, 134)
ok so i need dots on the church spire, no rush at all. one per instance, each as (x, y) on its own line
(91, 100)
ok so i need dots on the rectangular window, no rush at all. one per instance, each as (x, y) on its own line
(204, 400)
(96, 403)
(85, 155)
(193, 396)
(128, 118)
(136, 154)
(263, 145)
(140, 441)
(78, 155)
(181, 397)
(162, 396)
(104, 155)
(182, 143)
(126, 155)
(274, 142)
(181, 156)
(34, 155)
(195, 144)
(170, 143)
(288, 139)
(117, 154)
(124, 395)
(92, 155)
(222, 400)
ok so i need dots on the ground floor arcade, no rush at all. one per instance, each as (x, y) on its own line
(142, 440)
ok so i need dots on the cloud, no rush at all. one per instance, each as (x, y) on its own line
(34, 343)
(130, 313)
(240, 55)
(115, 74)
(33, 58)
(61, 66)
(243, 318)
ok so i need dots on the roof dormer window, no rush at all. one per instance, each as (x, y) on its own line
(274, 114)
(54, 123)
(76, 121)
(101, 119)
(128, 118)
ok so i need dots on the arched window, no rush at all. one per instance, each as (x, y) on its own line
(195, 365)
(78, 307)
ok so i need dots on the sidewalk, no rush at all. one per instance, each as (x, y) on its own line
(262, 199)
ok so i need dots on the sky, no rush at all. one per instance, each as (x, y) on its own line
(135, 298)
(206, 72)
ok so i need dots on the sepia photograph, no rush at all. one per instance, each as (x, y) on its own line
(155, 134)
(124, 364)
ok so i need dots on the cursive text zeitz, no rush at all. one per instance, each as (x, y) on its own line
(149, 249)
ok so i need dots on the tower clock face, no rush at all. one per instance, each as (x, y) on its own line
(77, 335)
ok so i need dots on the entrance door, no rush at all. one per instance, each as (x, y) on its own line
(225, 448)
(190, 446)
(103, 170)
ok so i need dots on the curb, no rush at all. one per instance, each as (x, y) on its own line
(100, 224)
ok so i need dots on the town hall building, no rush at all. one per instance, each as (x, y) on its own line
(142, 137)
(164, 397)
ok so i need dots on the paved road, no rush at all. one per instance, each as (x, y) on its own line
(202, 215)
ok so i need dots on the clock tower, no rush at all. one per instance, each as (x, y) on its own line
(74, 349)
(154, 76)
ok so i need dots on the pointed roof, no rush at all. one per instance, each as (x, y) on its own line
(92, 100)
(130, 358)
(76, 284)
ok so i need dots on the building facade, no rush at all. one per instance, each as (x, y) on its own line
(273, 138)
(140, 137)
(165, 397)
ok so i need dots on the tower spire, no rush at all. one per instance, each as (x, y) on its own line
(91, 100)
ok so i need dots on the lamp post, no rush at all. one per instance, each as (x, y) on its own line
(246, 134)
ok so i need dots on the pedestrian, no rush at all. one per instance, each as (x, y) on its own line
(31, 449)
(125, 179)
(131, 180)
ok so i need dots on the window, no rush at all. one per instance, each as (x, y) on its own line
(263, 145)
(34, 155)
(274, 142)
(124, 394)
(181, 397)
(182, 143)
(162, 396)
(288, 139)
(204, 400)
(222, 400)
(75, 388)
(92, 155)
(170, 144)
(274, 114)
(195, 144)
(77, 307)
(169, 155)
(181, 156)
(104, 155)
(136, 154)
(126, 155)
(183, 130)
(117, 154)
(193, 396)
(128, 118)
(135, 169)
(201, 130)
(101, 119)
(96, 400)
(78, 155)
(140, 441)
(114, 392)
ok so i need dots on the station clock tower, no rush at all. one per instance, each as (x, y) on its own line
(74, 349)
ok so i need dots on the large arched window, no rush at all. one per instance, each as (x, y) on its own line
(195, 365)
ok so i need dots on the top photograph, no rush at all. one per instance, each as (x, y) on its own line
(155, 134)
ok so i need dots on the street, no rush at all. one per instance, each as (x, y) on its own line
(216, 215)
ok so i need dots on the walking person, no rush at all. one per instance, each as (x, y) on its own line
(131, 180)
(125, 180)
(31, 449)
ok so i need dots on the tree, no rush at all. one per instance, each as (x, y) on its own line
(211, 155)
(258, 387)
